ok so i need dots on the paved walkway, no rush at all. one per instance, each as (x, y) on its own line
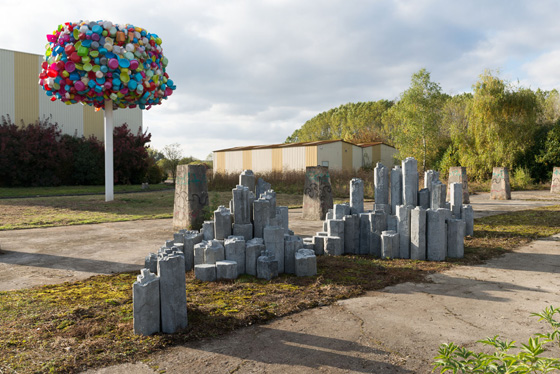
(396, 330)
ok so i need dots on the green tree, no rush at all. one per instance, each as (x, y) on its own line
(501, 121)
(414, 121)
(173, 155)
(354, 122)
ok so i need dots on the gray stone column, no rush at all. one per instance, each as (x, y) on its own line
(282, 213)
(456, 199)
(213, 252)
(261, 216)
(458, 174)
(389, 244)
(253, 251)
(410, 181)
(436, 235)
(438, 197)
(234, 248)
(378, 221)
(467, 215)
(424, 198)
(222, 223)
(191, 197)
(145, 301)
(403, 228)
(381, 182)
(292, 243)
(274, 243)
(270, 196)
(305, 263)
(247, 179)
(365, 233)
(396, 188)
(356, 196)
(241, 210)
(555, 184)
(455, 238)
(418, 234)
(261, 188)
(191, 238)
(208, 230)
(500, 189)
(351, 234)
(173, 292)
(317, 193)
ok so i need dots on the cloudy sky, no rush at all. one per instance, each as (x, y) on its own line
(252, 71)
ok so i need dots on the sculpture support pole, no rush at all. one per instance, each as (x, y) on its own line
(109, 150)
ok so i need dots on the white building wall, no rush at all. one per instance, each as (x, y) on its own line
(262, 160)
(132, 117)
(234, 162)
(7, 99)
(330, 153)
(367, 157)
(357, 153)
(293, 158)
(387, 154)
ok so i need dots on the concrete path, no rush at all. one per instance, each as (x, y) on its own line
(396, 330)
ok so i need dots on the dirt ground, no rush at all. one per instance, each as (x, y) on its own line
(396, 330)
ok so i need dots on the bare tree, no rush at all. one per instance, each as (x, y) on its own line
(173, 155)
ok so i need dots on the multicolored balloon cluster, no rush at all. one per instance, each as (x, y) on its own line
(90, 62)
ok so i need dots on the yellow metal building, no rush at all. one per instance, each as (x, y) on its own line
(336, 154)
(21, 98)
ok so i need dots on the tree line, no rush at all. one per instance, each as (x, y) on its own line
(498, 124)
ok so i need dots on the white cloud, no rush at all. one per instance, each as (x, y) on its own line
(251, 72)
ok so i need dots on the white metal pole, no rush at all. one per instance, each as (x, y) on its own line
(109, 150)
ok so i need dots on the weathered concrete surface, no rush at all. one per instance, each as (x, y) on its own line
(381, 332)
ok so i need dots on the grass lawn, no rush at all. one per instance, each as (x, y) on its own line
(74, 190)
(26, 213)
(71, 326)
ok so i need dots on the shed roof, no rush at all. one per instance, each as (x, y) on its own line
(287, 145)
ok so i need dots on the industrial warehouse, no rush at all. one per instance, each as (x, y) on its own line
(336, 154)
(22, 99)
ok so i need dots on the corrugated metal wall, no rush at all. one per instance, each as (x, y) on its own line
(21, 97)
(293, 158)
(277, 162)
(311, 155)
(357, 154)
(219, 162)
(7, 99)
(26, 76)
(234, 161)
(346, 156)
(367, 157)
(248, 160)
(262, 160)
(387, 154)
(331, 153)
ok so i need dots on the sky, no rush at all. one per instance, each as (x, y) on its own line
(250, 72)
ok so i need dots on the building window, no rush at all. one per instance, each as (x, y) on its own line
(325, 163)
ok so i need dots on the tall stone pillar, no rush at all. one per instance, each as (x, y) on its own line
(191, 196)
(381, 182)
(247, 179)
(410, 181)
(396, 188)
(458, 174)
(356, 196)
(317, 193)
(501, 189)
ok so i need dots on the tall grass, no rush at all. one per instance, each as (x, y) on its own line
(292, 182)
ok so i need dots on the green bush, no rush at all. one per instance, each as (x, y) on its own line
(528, 360)
(521, 179)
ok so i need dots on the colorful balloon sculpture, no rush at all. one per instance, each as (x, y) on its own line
(90, 62)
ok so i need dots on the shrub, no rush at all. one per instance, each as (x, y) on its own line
(529, 360)
(521, 179)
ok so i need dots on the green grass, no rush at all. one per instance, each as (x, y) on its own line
(26, 213)
(6, 192)
(71, 326)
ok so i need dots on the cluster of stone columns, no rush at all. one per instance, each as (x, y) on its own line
(160, 301)
(405, 223)
(252, 237)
